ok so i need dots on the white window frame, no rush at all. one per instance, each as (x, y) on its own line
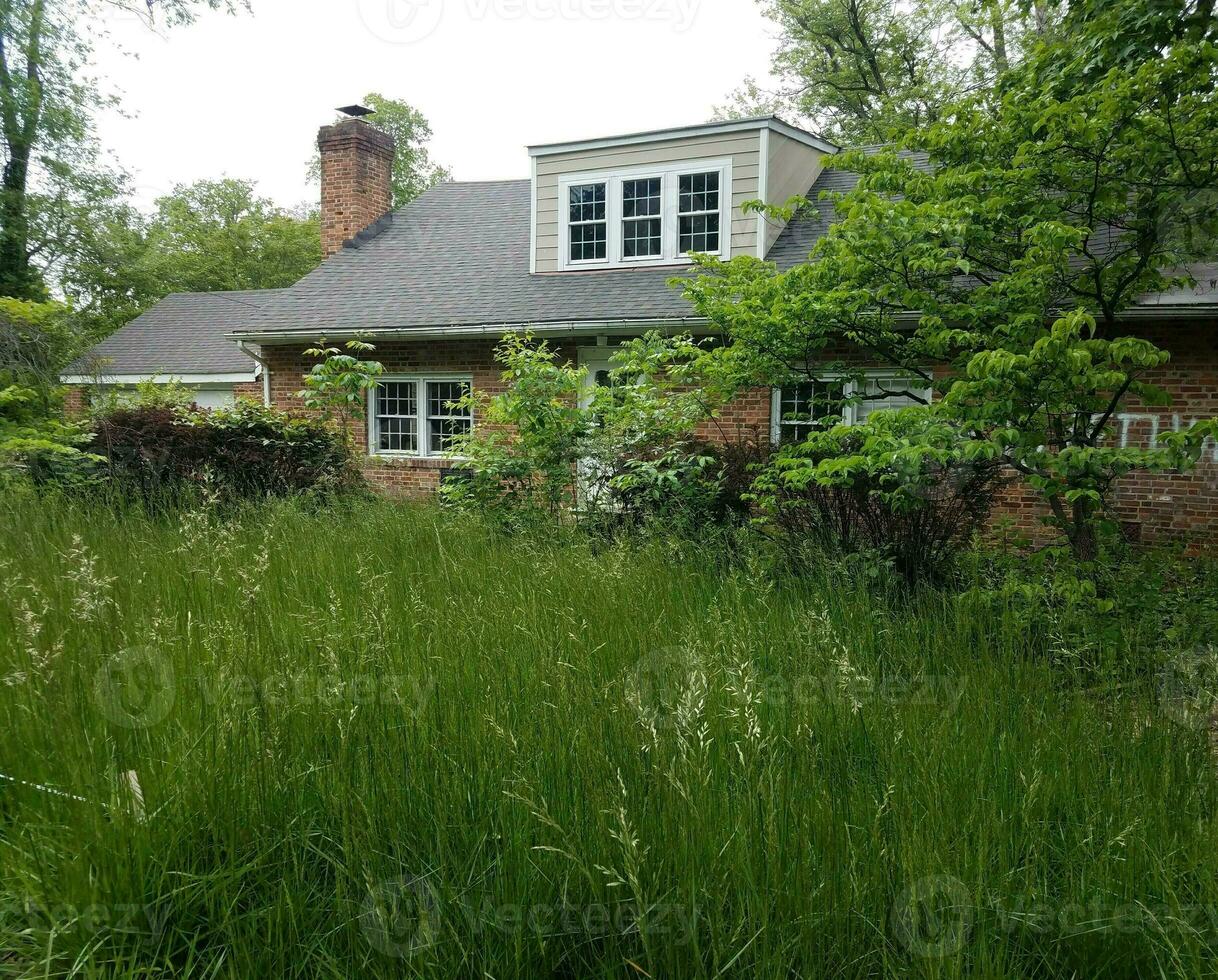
(669, 175)
(422, 414)
(850, 415)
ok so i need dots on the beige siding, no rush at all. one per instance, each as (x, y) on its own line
(742, 148)
(793, 168)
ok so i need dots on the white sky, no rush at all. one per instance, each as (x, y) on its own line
(243, 96)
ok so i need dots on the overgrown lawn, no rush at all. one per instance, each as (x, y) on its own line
(382, 741)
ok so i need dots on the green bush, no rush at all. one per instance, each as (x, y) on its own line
(39, 449)
(244, 451)
(897, 487)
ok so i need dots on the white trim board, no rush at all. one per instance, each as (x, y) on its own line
(772, 123)
(164, 377)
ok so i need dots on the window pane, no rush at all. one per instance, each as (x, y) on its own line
(804, 407)
(397, 398)
(589, 242)
(398, 435)
(588, 202)
(698, 193)
(875, 400)
(641, 198)
(642, 238)
(442, 398)
(699, 233)
(442, 433)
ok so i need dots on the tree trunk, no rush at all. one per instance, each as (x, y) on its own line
(1083, 538)
(16, 277)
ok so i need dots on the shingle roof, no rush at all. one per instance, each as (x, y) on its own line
(459, 255)
(799, 236)
(185, 333)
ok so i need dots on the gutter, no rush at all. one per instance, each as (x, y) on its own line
(574, 328)
(265, 371)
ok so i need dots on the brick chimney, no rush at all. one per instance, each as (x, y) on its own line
(356, 190)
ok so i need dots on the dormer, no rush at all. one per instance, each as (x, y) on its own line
(649, 199)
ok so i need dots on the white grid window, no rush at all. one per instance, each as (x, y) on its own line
(698, 210)
(589, 228)
(447, 420)
(801, 409)
(649, 215)
(642, 224)
(397, 417)
(418, 416)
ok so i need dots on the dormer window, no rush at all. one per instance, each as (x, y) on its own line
(589, 225)
(646, 216)
(699, 212)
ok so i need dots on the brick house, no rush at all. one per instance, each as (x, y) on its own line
(581, 254)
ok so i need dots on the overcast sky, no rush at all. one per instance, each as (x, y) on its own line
(244, 96)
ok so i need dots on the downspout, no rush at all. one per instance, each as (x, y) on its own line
(266, 371)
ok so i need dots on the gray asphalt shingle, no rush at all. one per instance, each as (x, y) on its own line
(185, 333)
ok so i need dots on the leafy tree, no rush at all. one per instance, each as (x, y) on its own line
(865, 71)
(413, 169)
(36, 341)
(1086, 179)
(47, 103)
(204, 237)
(337, 387)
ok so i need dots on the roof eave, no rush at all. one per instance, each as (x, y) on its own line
(772, 123)
(560, 328)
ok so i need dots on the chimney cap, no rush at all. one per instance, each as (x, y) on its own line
(356, 111)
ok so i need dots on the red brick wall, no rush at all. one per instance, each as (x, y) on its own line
(1166, 507)
(76, 401)
(398, 476)
(1156, 508)
(249, 391)
(356, 185)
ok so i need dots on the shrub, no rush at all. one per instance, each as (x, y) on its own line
(246, 450)
(687, 484)
(41, 449)
(896, 486)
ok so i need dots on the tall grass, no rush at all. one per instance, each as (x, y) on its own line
(377, 741)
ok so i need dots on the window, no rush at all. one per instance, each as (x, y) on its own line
(647, 216)
(803, 408)
(800, 409)
(397, 417)
(890, 393)
(418, 416)
(446, 420)
(699, 213)
(589, 229)
(642, 226)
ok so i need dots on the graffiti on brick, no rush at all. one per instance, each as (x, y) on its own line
(1144, 429)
